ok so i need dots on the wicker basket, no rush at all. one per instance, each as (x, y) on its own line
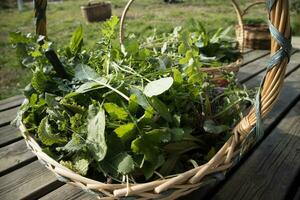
(95, 12)
(245, 134)
(216, 73)
(251, 36)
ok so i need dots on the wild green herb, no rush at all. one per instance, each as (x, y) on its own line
(128, 111)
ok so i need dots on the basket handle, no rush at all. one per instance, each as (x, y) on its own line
(271, 84)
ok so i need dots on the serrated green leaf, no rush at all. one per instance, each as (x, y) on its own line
(158, 87)
(141, 99)
(81, 165)
(126, 131)
(96, 132)
(72, 146)
(161, 108)
(133, 103)
(123, 162)
(115, 111)
(177, 77)
(88, 86)
(84, 72)
(211, 127)
(156, 136)
(147, 118)
(148, 168)
(182, 48)
(39, 81)
(177, 134)
(142, 146)
(46, 135)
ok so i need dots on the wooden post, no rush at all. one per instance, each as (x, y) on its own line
(20, 5)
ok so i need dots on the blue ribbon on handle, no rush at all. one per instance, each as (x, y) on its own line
(276, 58)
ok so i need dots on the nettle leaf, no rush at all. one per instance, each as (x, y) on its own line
(81, 164)
(177, 134)
(72, 146)
(123, 162)
(177, 76)
(88, 86)
(126, 131)
(39, 81)
(161, 108)
(142, 146)
(211, 127)
(47, 136)
(76, 40)
(96, 132)
(182, 48)
(147, 118)
(148, 168)
(141, 99)
(164, 62)
(115, 111)
(133, 103)
(158, 87)
(156, 136)
(84, 72)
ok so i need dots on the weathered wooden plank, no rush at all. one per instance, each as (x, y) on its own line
(66, 192)
(268, 172)
(8, 135)
(254, 55)
(29, 182)
(292, 66)
(14, 156)
(254, 68)
(11, 102)
(7, 116)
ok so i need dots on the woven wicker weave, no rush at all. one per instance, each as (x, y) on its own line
(184, 183)
(249, 36)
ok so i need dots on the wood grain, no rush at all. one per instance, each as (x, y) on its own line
(9, 134)
(254, 55)
(268, 173)
(7, 116)
(254, 68)
(13, 156)
(30, 182)
(11, 102)
(68, 192)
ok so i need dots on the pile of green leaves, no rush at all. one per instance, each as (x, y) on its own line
(113, 112)
(193, 44)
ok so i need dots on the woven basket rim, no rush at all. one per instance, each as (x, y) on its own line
(96, 5)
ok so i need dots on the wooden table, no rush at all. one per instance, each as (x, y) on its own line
(271, 171)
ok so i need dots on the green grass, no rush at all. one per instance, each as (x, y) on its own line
(143, 17)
